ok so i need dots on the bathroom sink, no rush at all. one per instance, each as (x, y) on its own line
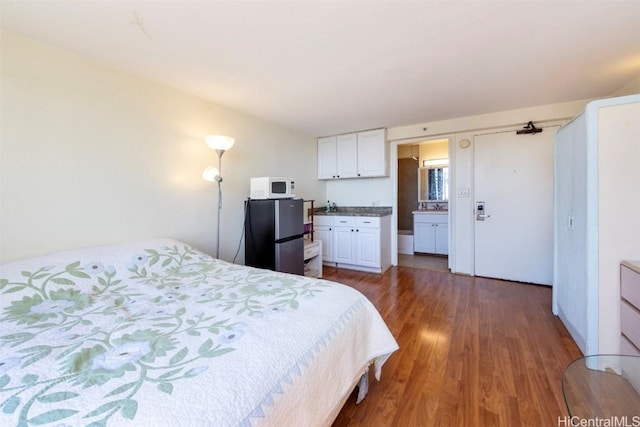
(431, 212)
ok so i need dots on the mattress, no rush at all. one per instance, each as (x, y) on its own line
(159, 333)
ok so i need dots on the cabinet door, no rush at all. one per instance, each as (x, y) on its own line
(327, 165)
(442, 239)
(346, 156)
(368, 247)
(373, 153)
(343, 245)
(424, 237)
(325, 235)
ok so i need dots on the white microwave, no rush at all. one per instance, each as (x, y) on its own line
(268, 187)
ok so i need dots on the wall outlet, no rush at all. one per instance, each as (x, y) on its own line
(463, 192)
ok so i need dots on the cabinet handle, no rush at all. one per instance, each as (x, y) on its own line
(357, 230)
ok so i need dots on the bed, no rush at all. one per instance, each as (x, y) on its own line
(158, 333)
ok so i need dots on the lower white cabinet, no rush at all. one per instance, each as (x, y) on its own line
(359, 243)
(343, 241)
(367, 246)
(431, 233)
(324, 233)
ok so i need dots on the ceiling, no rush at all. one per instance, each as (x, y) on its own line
(326, 67)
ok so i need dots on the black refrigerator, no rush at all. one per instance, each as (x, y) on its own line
(274, 235)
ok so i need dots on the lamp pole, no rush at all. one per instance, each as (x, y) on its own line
(219, 180)
(218, 143)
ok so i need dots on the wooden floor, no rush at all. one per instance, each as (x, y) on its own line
(473, 352)
(424, 262)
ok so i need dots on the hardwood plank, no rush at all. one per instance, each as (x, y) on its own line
(473, 351)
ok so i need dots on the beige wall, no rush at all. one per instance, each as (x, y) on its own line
(405, 152)
(90, 156)
(434, 150)
(631, 88)
(618, 234)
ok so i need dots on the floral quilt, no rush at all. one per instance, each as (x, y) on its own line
(159, 333)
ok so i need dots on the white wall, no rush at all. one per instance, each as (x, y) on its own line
(90, 156)
(363, 192)
(618, 236)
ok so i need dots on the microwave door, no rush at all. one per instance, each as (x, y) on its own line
(279, 188)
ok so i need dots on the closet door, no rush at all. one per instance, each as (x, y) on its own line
(570, 281)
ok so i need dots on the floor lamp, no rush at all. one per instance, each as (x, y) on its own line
(220, 144)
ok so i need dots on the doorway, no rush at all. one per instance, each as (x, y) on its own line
(415, 160)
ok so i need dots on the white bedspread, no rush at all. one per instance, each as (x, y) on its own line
(157, 333)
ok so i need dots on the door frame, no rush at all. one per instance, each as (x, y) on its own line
(393, 170)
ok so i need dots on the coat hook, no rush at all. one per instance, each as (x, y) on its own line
(529, 128)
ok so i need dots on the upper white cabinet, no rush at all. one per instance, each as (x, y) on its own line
(353, 155)
(347, 156)
(327, 159)
(373, 155)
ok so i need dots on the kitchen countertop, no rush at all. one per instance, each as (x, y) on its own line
(355, 211)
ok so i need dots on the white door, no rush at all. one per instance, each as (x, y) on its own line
(343, 250)
(424, 237)
(347, 155)
(372, 153)
(442, 239)
(513, 179)
(368, 247)
(327, 165)
(324, 234)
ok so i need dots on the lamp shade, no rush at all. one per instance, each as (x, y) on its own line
(219, 142)
(210, 173)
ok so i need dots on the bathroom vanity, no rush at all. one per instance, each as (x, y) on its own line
(431, 232)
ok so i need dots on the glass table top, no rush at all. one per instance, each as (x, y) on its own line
(603, 386)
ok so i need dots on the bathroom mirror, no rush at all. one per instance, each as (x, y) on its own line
(433, 184)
